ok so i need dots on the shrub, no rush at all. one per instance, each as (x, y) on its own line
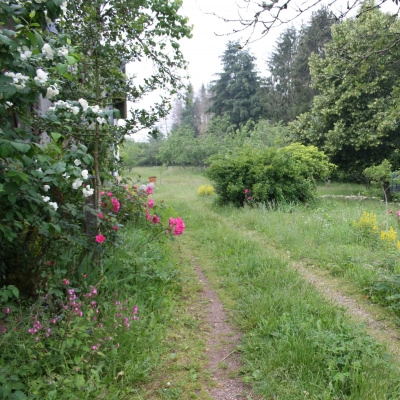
(286, 174)
(206, 190)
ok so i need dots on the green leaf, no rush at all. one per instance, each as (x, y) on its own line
(4, 39)
(39, 39)
(62, 68)
(55, 136)
(79, 381)
(17, 395)
(21, 147)
(71, 60)
(12, 199)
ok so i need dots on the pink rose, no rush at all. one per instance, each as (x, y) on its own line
(100, 238)
(151, 203)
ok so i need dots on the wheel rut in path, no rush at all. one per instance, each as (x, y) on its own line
(221, 348)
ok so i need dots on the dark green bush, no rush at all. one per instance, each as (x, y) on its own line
(286, 174)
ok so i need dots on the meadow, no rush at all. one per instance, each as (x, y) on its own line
(296, 345)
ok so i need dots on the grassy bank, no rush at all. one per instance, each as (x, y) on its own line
(295, 345)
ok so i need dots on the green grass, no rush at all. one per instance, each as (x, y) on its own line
(295, 344)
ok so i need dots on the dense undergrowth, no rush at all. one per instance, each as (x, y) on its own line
(96, 329)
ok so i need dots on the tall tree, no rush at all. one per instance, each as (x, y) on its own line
(235, 91)
(354, 118)
(279, 91)
(288, 92)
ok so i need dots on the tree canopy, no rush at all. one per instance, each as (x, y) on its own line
(235, 92)
(354, 118)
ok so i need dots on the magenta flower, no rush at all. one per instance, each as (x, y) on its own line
(115, 228)
(100, 215)
(156, 219)
(6, 310)
(246, 190)
(177, 226)
(398, 213)
(151, 203)
(100, 238)
(65, 281)
(109, 194)
(116, 204)
(149, 190)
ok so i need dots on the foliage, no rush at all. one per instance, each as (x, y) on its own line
(234, 93)
(287, 92)
(285, 174)
(353, 118)
(55, 158)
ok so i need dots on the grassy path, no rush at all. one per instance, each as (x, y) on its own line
(295, 344)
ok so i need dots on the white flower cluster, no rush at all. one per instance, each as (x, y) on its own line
(52, 204)
(41, 76)
(48, 51)
(77, 183)
(25, 53)
(19, 80)
(52, 91)
(87, 191)
(64, 105)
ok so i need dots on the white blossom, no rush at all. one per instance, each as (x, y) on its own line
(65, 175)
(95, 109)
(45, 198)
(63, 51)
(101, 120)
(77, 162)
(87, 191)
(64, 7)
(54, 205)
(77, 183)
(19, 80)
(52, 91)
(41, 76)
(84, 104)
(75, 110)
(25, 53)
(48, 51)
(46, 188)
(85, 174)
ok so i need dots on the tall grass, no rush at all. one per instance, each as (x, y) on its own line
(295, 344)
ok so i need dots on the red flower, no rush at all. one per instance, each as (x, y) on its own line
(115, 228)
(156, 219)
(100, 215)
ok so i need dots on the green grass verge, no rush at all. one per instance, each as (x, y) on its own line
(295, 345)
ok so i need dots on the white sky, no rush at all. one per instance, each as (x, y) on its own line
(210, 35)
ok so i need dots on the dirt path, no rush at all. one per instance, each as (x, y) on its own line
(224, 361)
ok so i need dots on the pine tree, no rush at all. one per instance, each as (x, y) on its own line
(235, 91)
